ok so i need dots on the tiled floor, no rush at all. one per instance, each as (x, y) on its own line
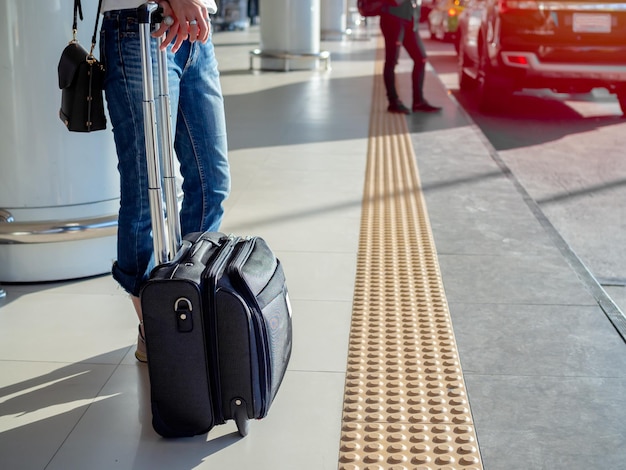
(71, 393)
(545, 370)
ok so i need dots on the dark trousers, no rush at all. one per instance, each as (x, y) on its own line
(253, 9)
(399, 32)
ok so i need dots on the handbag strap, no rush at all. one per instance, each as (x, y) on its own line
(78, 12)
(95, 28)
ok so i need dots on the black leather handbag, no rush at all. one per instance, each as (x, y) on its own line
(81, 80)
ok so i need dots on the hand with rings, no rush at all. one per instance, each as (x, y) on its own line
(196, 28)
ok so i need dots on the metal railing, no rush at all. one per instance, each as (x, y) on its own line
(56, 231)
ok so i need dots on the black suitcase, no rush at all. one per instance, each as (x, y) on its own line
(217, 317)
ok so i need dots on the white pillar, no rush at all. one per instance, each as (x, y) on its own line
(59, 190)
(333, 19)
(290, 28)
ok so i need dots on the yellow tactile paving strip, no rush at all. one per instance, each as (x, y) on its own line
(405, 404)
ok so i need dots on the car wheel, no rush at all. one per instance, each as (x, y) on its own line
(465, 81)
(494, 92)
(621, 97)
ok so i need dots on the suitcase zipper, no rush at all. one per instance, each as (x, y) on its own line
(185, 257)
(235, 269)
(221, 258)
(211, 277)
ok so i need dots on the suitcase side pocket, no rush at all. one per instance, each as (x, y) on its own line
(258, 274)
(238, 354)
(276, 312)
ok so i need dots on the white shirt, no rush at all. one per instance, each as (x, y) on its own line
(125, 4)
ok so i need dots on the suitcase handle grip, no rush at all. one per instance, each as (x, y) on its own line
(194, 256)
(150, 13)
(203, 250)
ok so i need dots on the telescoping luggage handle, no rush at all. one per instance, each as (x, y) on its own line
(166, 231)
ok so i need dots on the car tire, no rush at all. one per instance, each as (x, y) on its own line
(466, 82)
(493, 91)
(621, 97)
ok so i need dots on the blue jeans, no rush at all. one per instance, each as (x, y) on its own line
(199, 140)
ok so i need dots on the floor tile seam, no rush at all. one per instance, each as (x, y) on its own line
(610, 309)
(316, 252)
(17, 293)
(458, 300)
(593, 305)
(326, 298)
(492, 253)
(402, 351)
(65, 363)
(293, 298)
(548, 376)
(84, 413)
(335, 208)
(311, 371)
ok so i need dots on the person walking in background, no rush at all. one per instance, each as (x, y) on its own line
(399, 26)
(253, 11)
(198, 121)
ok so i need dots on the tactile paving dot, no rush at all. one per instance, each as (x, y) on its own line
(405, 405)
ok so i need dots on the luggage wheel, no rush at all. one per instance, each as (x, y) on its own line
(240, 415)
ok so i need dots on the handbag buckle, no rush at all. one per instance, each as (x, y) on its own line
(90, 57)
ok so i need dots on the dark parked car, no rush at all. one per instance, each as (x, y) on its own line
(568, 46)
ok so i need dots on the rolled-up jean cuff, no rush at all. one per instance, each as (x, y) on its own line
(128, 282)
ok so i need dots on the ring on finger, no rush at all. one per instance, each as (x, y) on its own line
(193, 22)
(168, 20)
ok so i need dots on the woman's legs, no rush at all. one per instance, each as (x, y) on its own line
(124, 93)
(391, 27)
(200, 143)
(398, 32)
(200, 139)
(415, 48)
